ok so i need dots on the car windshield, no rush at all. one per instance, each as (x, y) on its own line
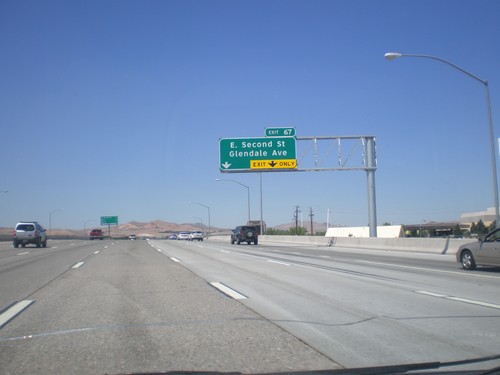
(26, 227)
(249, 186)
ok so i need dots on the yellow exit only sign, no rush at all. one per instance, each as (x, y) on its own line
(273, 164)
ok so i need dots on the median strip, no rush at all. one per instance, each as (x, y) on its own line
(227, 290)
(13, 311)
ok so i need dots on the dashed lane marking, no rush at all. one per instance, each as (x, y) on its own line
(13, 311)
(227, 290)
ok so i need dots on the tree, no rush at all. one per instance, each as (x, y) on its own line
(457, 231)
(299, 231)
(481, 228)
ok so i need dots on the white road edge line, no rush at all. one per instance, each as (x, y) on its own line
(12, 312)
(77, 265)
(277, 262)
(175, 260)
(458, 299)
(227, 290)
(428, 269)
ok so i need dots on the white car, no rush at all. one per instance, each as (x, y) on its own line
(196, 236)
(183, 236)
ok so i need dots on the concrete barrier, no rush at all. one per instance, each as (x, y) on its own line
(418, 245)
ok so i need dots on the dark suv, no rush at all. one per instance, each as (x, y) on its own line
(246, 234)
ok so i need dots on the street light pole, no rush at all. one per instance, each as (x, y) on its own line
(50, 220)
(208, 208)
(394, 55)
(248, 192)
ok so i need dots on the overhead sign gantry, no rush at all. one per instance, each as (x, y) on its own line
(277, 152)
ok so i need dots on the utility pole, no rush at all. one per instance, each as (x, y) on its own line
(296, 217)
(311, 218)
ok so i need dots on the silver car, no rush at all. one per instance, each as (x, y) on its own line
(484, 252)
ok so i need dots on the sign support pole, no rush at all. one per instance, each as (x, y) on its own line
(370, 173)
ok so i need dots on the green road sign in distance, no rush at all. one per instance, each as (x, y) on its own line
(280, 132)
(109, 220)
(240, 154)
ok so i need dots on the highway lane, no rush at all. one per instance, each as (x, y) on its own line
(25, 270)
(359, 308)
(124, 307)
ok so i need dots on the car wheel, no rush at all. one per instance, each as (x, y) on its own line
(23, 245)
(238, 242)
(16, 245)
(467, 260)
(255, 242)
(44, 244)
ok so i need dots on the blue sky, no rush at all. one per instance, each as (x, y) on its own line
(117, 107)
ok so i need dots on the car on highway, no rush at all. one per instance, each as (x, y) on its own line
(196, 236)
(96, 234)
(29, 232)
(483, 252)
(246, 234)
(132, 237)
(183, 236)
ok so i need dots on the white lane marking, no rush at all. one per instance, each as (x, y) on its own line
(225, 252)
(429, 269)
(431, 294)
(473, 302)
(175, 260)
(97, 252)
(13, 311)
(106, 246)
(277, 262)
(158, 250)
(458, 299)
(227, 290)
(26, 252)
(78, 265)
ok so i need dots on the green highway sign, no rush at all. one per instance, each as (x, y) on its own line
(280, 132)
(109, 220)
(257, 154)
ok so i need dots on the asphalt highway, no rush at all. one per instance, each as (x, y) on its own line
(95, 307)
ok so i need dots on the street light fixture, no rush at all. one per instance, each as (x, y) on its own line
(248, 192)
(394, 55)
(208, 208)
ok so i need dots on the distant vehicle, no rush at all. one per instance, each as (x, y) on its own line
(484, 252)
(183, 236)
(29, 233)
(132, 237)
(196, 236)
(96, 234)
(246, 234)
(173, 236)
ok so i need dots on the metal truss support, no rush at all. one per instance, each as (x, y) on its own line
(367, 163)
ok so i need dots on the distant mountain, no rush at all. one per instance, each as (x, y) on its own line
(156, 228)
